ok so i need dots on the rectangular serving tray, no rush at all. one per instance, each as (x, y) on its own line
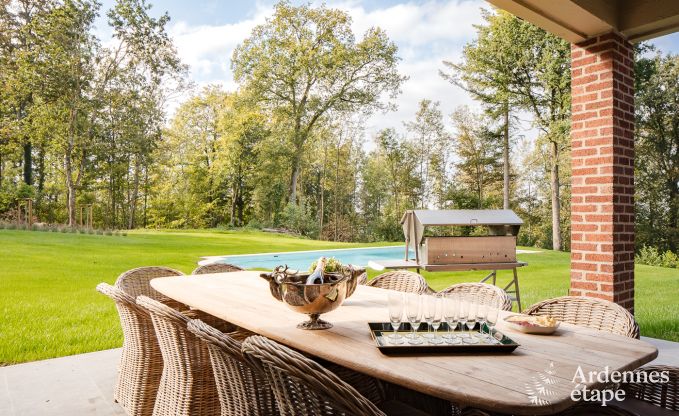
(380, 330)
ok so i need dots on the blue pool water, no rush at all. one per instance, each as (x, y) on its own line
(301, 260)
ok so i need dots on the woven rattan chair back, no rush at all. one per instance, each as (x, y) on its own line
(595, 409)
(362, 279)
(401, 280)
(588, 312)
(483, 293)
(137, 281)
(665, 395)
(303, 387)
(187, 385)
(217, 268)
(242, 390)
(141, 363)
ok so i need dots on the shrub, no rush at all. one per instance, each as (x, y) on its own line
(254, 224)
(300, 219)
(650, 256)
(670, 259)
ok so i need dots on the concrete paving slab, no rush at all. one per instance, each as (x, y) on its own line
(75, 385)
(668, 351)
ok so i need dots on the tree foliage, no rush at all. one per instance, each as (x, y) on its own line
(305, 63)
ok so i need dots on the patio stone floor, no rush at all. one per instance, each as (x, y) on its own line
(83, 384)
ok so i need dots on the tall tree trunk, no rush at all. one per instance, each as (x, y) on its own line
(27, 146)
(70, 188)
(28, 163)
(41, 170)
(505, 155)
(132, 220)
(556, 199)
(146, 193)
(296, 168)
(234, 201)
(673, 214)
(321, 210)
(68, 168)
(336, 196)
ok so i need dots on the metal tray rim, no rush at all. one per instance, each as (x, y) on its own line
(428, 349)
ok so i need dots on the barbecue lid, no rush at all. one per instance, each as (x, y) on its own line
(499, 221)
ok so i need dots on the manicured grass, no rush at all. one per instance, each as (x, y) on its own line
(49, 306)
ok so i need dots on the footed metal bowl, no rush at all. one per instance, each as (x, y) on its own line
(312, 300)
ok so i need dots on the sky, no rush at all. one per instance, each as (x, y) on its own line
(206, 32)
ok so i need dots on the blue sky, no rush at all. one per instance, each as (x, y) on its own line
(426, 32)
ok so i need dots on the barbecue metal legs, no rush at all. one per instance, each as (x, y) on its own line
(514, 282)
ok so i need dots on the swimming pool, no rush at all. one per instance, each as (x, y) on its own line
(301, 260)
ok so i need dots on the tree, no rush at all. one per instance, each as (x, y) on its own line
(657, 150)
(17, 42)
(304, 63)
(432, 144)
(487, 72)
(64, 59)
(243, 128)
(516, 63)
(479, 155)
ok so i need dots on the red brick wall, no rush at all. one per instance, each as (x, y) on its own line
(602, 138)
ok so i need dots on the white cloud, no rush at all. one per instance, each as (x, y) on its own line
(207, 49)
(426, 34)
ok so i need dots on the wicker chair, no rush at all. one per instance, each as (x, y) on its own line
(217, 268)
(303, 387)
(595, 409)
(362, 279)
(141, 363)
(137, 281)
(401, 280)
(242, 390)
(662, 395)
(187, 385)
(485, 294)
(592, 313)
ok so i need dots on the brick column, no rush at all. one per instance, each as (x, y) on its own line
(602, 138)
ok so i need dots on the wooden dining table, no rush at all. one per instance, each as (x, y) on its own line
(535, 379)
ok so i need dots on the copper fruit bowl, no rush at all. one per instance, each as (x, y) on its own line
(311, 299)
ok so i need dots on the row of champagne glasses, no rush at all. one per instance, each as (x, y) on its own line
(453, 308)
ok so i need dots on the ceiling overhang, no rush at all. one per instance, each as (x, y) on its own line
(578, 20)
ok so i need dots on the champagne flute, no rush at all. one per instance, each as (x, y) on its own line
(463, 312)
(436, 321)
(395, 302)
(471, 321)
(414, 314)
(450, 308)
(481, 312)
(428, 312)
(491, 320)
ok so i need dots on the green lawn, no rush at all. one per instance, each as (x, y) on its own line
(50, 308)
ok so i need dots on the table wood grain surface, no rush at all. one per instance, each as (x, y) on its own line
(503, 383)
